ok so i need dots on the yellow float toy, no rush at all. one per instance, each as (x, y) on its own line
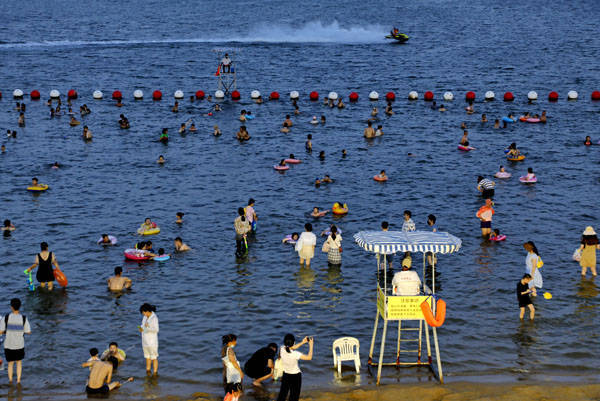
(38, 188)
(339, 209)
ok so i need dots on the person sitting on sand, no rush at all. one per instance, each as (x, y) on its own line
(285, 128)
(288, 120)
(318, 213)
(216, 131)
(369, 132)
(290, 239)
(118, 282)
(99, 381)
(180, 246)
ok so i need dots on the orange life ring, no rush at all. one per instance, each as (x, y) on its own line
(60, 277)
(440, 313)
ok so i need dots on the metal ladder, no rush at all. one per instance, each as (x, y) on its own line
(404, 332)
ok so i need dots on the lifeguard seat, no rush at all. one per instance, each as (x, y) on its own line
(349, 350)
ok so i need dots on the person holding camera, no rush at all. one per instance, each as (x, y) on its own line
(291, 381)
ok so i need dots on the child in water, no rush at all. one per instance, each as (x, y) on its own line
(530, 175)
(161, 159)
(524, 298)
(179, 217)
(308, 144)
(382, 175)
(512, 151)
(588, 141)
(290, 239)
(146, 225)
(317, 213)
(282, 163)
(216, 130)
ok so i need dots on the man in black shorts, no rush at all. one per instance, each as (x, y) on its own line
(523, 297)
(261, 363)
(100, 376)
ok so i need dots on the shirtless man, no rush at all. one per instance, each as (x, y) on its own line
(369, 131)
(100, 376)
(180, 246)
(117, 282)
(288, 121)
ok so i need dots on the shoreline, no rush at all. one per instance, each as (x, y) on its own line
(455, 391)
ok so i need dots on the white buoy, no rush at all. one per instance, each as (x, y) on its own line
(489, 95)
(413, 95)
(294, 95)
(532, 95)
(572, 95)
(332, 96)
(54, 94)
(254, 94)
(373, 95)
(178, 94)
(18, 93)
(448, 96)
(219, 94)
(138, 94)
(97, 95)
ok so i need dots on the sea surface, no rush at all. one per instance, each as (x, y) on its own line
(109, 185)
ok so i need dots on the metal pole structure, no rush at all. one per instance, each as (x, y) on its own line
(420, 340)
(385, 322)
(437, 356)
(428, 343)
(398, 345)
(373, 338)
(432, 274)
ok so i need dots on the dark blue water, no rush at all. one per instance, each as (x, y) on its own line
(112, 183)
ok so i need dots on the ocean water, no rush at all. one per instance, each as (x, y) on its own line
(112, 183)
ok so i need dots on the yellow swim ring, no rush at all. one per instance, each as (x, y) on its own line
(151, 231)
(38, 188)
(516, 159)
(338, 209)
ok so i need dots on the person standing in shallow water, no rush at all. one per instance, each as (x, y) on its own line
(242, 228)
(523, 297)
(251, 215)
(44, 261)
(532, 267)
(149, 330)
(291, 381)
(14, 325)
(589, 245)
(305, 246)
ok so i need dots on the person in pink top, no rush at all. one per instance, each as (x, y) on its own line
(251, 214)
(485, 214)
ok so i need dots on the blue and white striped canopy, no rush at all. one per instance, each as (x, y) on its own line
(387, 242)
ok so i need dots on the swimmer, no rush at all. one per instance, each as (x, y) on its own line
(374, 112)
(73, 121)
(21, 120)
(18, 107)
(217, 107)
(322, 155)
(382, 175)
(288, 121)
(242, 135)
(8, 226)
(161, 253)
(314, 120)
(543, 117)
(34, 182)
(216, 131)
(249, 115)
(463, 125)
(442, 108)
(175, 108)
(56, 166)
(494, 234)
(52, 112)
(3, 148)
(209, 98)
(470, 109)
(484, 118)
(308, 143)
(325, 101)
(587, 142)
(502, 170)
(179, 217)
(496, 124)
(291, 239)
(118, 282)
(512, 151)
(340, 104)
(99, 381)
(344, 153)
(118, 104)
(14, 134)
(123, 122)
(180, 246)
(161, 159)
(318, 213)
(296, 110)
(23, 107)
(388, 109)
(182, 128)
(285, 128)
(369, 132)
(192, 99)
(379, 130)
(146, 225)
(323, 119)
(464, 141)
(292, 157)
(70, 112)
(434, 105)
(530, 175)
(317, 183)
(193, 128)
(87, 134)
(282, 163)
(105, 240)
(326, 179)
(164, 136)
(243, 116)
(258, 100)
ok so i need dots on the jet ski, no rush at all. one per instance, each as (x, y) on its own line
(400, 37)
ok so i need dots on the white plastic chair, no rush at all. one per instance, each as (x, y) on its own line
(349, 350)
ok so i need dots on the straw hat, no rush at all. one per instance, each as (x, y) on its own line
(589, 231)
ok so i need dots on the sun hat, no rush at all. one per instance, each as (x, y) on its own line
(407, 262)
(589, 230)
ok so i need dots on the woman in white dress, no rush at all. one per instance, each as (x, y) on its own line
(532, 262)
(232, 370)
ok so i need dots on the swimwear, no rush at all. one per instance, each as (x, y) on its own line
(45, 273)
(101, 390)
(486, 224)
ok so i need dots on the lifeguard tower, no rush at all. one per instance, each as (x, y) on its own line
(226, 72)
(406, 309)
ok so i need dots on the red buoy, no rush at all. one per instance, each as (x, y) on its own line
(428, 96)
(117, 95)
(509, 97)
(553, 96)
(199, 94)
(353, 96)
(0, 95)
(470, 96)
(235, 95)
(595, 95)
(274, 95)
(156, 95)
(35, 94)
(314, 95)
(72, 94)
(390, 96)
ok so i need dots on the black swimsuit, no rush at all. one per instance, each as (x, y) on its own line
(45, 273)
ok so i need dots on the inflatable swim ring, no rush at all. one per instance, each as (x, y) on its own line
(440, 313)
(119, 350)
(339, 210)
(248, 117)
(289, 239)
(526, 180)
(508, 119)
(135, 254)
(498, 238)
(38, 188)
(281, 168)
(577, 255)
(523, 118)
(60, 277)
(328, 232)
(152, 231)
(113, 241)
(516, 159)
(380, 179)
(465, 148)
(532, 120)
(501, 174)
(293, 161)
(162, 258)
